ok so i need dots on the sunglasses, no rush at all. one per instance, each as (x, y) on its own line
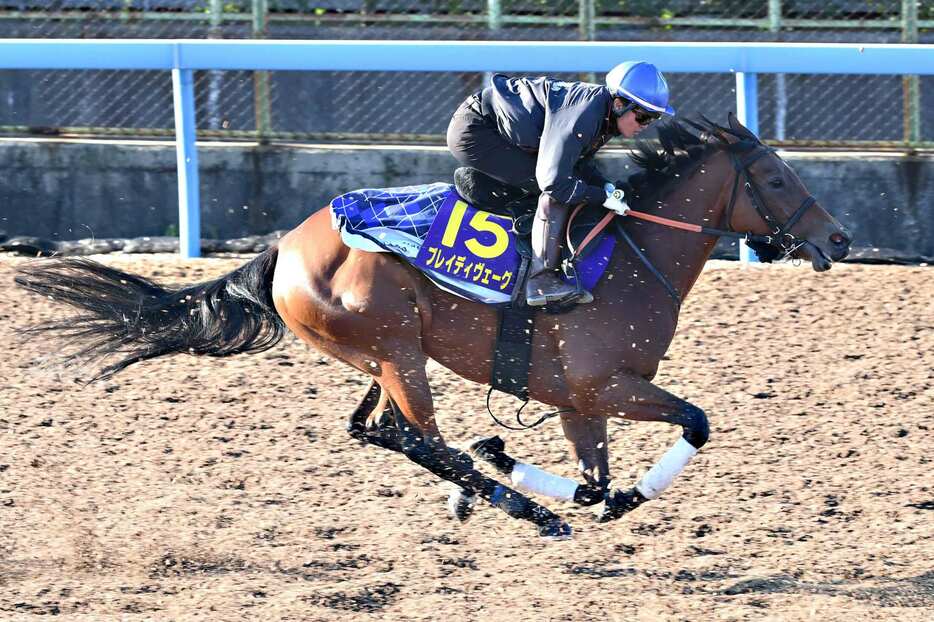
(644, 117)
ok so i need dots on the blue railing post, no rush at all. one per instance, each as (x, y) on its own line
(747, 111)
(189, 208)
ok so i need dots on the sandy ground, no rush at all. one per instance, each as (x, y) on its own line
(190, 489)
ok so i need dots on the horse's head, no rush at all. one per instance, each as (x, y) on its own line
(770, 200)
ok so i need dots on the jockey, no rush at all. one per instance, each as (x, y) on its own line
(541, 135)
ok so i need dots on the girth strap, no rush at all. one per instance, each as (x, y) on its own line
(513, 352)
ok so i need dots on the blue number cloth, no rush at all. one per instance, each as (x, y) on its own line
(398, 220)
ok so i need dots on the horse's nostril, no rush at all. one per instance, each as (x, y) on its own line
(839, 239)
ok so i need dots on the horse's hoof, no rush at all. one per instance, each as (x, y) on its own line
(492, 450)
(618, 503)
(487, 448)
(461, 504)
(555, 530)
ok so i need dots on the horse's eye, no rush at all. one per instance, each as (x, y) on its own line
(776, 183)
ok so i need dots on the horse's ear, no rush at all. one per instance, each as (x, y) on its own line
(733, 121)
(719, 133)
(741, 130)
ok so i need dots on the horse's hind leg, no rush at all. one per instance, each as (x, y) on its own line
(410, 396)
(356, 424)
(363, 423)
(368, 423)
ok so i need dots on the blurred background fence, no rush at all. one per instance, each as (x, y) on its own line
(794, 109)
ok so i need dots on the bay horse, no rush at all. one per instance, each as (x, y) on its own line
(380, 315)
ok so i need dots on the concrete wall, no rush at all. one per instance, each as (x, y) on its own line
(69, 190)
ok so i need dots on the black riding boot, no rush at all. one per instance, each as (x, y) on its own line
(545, 285)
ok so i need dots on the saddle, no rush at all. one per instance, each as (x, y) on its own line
(492, 195)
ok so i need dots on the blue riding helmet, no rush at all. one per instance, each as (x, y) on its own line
(642, 83)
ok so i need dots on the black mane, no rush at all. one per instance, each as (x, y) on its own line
(677, 153)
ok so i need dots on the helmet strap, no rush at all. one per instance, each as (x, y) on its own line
(619, 108)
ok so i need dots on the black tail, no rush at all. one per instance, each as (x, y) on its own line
(134, 319)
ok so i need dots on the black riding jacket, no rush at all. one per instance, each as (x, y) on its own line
(564, 122)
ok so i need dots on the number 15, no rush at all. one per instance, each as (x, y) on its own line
(480, 222)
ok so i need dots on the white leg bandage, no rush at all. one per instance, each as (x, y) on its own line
(665, 470)
(532, 479)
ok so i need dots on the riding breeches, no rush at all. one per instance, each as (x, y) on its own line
(474, 140)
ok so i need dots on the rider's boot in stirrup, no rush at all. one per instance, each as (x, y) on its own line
(545, 285)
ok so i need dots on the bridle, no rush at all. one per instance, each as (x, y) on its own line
(780, 237)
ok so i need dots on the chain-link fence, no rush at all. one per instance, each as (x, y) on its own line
(793, 109)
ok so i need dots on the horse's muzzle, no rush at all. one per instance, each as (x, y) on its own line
(839, 246)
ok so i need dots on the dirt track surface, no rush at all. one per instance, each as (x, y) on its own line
(227, 489)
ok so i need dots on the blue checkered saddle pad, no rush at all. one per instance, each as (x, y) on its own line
(463, 250)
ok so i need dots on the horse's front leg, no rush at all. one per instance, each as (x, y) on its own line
(635, 398)
(588, 440)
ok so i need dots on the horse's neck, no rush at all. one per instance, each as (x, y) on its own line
(699, 199)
